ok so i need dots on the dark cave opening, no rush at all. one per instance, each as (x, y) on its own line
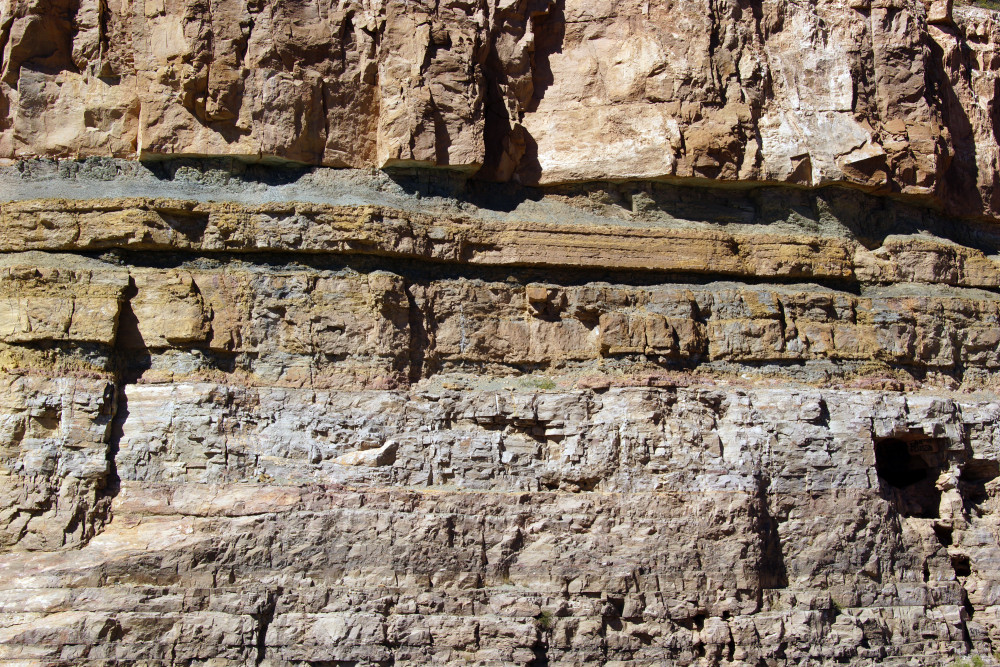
(944, 535)
(961, 564)
(908, 468)
(975, 475)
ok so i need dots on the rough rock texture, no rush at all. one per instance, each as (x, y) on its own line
(690, 355)
(892, 95)
(259, 416)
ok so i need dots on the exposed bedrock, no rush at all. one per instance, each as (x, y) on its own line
(512, 332)
(891, 95)
(269, 416)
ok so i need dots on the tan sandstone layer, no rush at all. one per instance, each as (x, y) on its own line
(893, 95)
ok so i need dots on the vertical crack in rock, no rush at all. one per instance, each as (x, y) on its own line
(502, 145)
(958, 182)
(129, 359)
(132, 356)
(264, 618)
(420, 341)
(773, 572)
(115, 407)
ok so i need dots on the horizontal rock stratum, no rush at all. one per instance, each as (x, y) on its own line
(891, 95)
(292, 417)
(499, 333)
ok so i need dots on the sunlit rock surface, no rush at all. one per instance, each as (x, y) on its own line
(510, 333)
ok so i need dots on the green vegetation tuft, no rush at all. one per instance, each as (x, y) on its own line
(973, 661)
(541, 383)
(985, 4)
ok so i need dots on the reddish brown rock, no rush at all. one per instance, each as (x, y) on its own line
(890, 96)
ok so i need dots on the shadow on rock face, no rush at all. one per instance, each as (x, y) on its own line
(132, 355)
(908, 470)
(773, 571)
(222, 170)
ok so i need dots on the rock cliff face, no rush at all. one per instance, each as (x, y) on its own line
(891, 95)
(686, 351)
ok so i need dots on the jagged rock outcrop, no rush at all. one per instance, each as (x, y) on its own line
(889, 95)
(250, 422)
(664, 333)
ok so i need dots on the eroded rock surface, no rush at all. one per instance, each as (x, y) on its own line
(896, 96)
(299, 417)
(668, 333)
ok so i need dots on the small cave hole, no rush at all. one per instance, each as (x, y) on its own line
(961, 564)
(975, 475)
(908, 468)
(944, 535)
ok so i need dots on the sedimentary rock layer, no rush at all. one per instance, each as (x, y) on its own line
(298, 417)
(669, 332)
(893, 95)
